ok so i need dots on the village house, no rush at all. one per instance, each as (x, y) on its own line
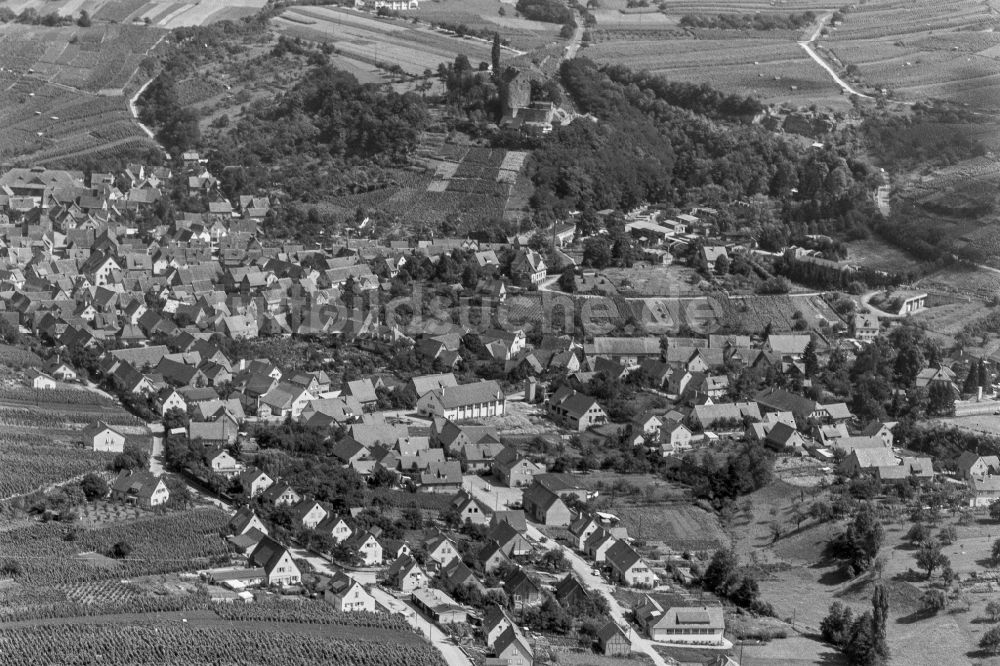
(612, 641)
(139, 488)
(437, 605)
(348, 595)
(279, 567)
(628, 567)
(246, 519)
(512, 648)
(254, 482)
(545, 506)
(515, 470)
(574, 410)
(405, 574)
(102, 437)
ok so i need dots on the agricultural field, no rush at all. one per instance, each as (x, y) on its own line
(124, 644)
(159, 13)
(644, 281)
(679, 526)
(63, 91)
(923, 49)
(414, 48)
(749, 314)
(485, 15)
(40, 442)
(470, 181)
(773, 70)
(179, 541)
(878, 255)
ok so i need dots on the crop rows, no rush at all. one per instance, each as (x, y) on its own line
(119, 645)
(30, 608)
(69, 396)
(161, 544)
(25, 468)
(309, 612)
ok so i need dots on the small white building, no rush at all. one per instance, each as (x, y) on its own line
(102, 437)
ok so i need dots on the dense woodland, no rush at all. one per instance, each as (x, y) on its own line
(686, 145)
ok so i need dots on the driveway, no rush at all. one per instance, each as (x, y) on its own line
(496, 497)
(453, 655)
(584, 570)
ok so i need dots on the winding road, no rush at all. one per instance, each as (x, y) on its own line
(807, 46)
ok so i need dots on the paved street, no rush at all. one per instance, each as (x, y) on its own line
(453, 655)
(584, 570)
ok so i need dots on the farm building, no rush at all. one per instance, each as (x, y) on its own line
(102, 437)
(140, 488)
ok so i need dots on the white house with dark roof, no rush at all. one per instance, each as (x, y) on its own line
(466, 401)
(102, 437)
(276, 560)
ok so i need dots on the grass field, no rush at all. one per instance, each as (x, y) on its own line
(679, 526)
(878, 255)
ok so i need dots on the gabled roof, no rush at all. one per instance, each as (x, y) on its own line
(267, 554)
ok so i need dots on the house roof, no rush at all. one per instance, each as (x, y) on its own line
(267, 554)
(622, 556)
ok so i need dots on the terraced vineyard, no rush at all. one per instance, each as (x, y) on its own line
(923, 49)
(178, 541)
(62, 90)
(128, 644)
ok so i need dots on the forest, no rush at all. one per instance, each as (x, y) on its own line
(682, 144)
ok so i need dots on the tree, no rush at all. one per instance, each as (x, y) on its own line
(720, 572)
(880, 614)
(940, 399)
(837, 623)
(995, 510)
(933, 601)
(495, 56)
(94, 486)
(930, 557)
(722, 265)
(121, 550)
(918, 533)
(567, 280)
(864, 537)
(991, 641)
(809, 358)
(133, 457)
(84, 20)
(993, 610)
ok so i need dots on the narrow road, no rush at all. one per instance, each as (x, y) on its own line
(453, 655)
(584, 571)
(574, 42)
(135, 112)
(807, 46)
